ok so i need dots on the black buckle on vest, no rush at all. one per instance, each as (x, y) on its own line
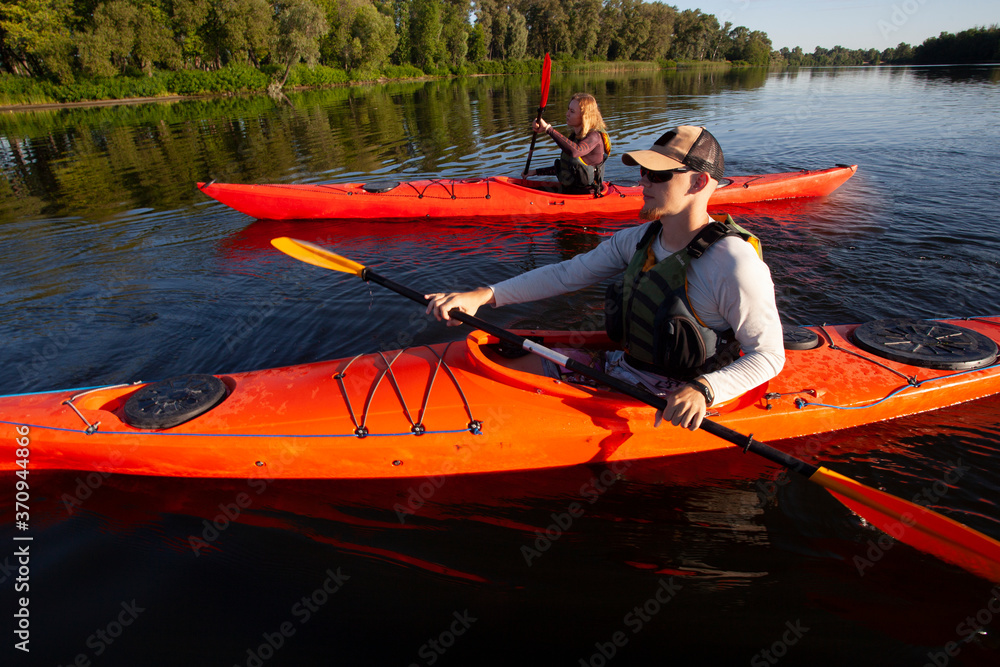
(598, 185)
(653, 230)
(706, 237)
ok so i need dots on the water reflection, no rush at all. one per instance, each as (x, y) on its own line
(508, 547)
(94, 162)
(956, 74)
(117, 269)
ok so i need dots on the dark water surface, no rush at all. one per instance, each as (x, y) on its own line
(115, 268)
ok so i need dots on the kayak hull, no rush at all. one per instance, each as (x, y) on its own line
(474, 410)
(497, 196)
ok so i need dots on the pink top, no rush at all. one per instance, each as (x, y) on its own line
(590, 148)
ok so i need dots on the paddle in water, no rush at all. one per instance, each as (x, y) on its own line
(546, 76)
(907, 522)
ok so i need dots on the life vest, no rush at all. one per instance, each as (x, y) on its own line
(649, 313)
(576, 176)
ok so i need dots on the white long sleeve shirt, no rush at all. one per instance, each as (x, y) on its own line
(728, 287)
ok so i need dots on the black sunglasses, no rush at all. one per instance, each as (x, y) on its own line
(661, 176)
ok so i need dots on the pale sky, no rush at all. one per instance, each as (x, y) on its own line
(853, 24)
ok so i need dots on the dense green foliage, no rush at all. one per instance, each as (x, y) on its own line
(87, 49)
(977, 45)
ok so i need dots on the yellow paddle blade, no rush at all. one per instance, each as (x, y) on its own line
(311, 253)
(915, 525)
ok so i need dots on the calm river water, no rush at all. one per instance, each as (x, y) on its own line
(115, 268)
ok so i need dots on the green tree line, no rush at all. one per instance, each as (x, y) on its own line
(67, 41)
(93, 162)
(976, 45)
(64, 39)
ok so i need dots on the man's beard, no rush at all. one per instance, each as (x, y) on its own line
(650, 212)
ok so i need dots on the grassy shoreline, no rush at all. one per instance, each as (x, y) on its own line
(21, 94)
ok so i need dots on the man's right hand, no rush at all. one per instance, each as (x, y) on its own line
(440, 305)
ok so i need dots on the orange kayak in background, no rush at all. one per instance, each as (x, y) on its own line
(495, 196)
(467, 407)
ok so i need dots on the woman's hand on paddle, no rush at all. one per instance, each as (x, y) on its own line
(540, 125)
(439, 305)
(686, 408)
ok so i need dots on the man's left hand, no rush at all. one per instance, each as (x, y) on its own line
(686, 408)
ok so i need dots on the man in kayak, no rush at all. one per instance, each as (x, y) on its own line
(695, 310)
(580, 167)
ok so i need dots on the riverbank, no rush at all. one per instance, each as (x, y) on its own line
(94, 103)
(20, 94)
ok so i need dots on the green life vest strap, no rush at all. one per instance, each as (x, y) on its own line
(654, 320)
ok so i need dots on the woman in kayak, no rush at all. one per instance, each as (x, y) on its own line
(695, 310)
(580, 167)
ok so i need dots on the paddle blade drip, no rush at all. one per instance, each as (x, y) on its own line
(546, 77)
(317, 256)
(917, 526)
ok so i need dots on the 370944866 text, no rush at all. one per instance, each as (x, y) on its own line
(22, 629)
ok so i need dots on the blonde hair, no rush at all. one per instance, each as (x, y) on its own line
(592, 119)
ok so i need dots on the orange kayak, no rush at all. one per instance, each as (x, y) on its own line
(466, 407)
(496, 196)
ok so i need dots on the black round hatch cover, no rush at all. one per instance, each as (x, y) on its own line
(926, 344)
(174, 401)
(799, 338)
(380, 186)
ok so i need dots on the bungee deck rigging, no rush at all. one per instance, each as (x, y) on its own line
(801, 403)
(984, 359)
(416, 427)
(419, 189)
(465, 188)
(394, 414)
(491, 196)
(361, 430)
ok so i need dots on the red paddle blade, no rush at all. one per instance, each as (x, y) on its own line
(546, 76)
(917, 526)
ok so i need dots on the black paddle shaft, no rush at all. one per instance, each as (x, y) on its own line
(745, 442)
(531, 149)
